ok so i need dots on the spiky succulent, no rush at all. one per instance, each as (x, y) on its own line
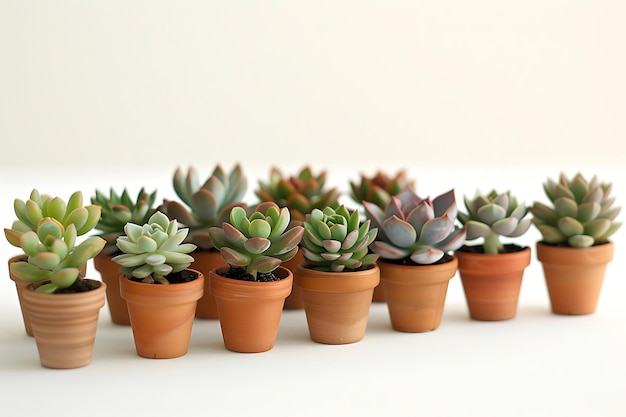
(582, 212)
(380, 188)
(207, 204)
(154, 250)
(117, 210)
(53, 255)
(259, 242)
(410, 227)
(39, 206)
(493, 215)
(300, 193)
(335, 240)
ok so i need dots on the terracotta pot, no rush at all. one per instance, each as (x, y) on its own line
(161, 316)
(294, 300)
(574, 276)
(64, 325)
(205, 261)
(416, 294)
(336, 304)
(492, 283)
(110, 273)
(250, 311)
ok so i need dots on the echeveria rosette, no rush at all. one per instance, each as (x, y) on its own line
(493, 215)
(380, 188)
(259, 242)
(335, 240)
(410, 227)
(582, 212)
(53, 255)
(207, 204)
(154, 250)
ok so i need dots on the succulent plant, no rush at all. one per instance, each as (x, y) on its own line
(493, 215)
(582, 212)
(300, 193)
(117, 210)
(335, 240)
(416, 229)
(207, 204)
(258, 243)
(53, 255)
(380, 188)
(154, 250)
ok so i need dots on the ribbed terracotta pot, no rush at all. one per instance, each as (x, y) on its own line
(492, 282)
(110, 273)
(64, 325)
(416, 294)
(162, 316)
(250, 311)
(294, 300)
(205, 261)
(20, 286)
(337, 304)
(574, 276)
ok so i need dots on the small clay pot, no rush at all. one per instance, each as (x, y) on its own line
(110, 272)
(20, 286)
(205, 261)
(294, 300)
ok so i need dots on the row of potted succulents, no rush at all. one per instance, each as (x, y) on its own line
(213, 256)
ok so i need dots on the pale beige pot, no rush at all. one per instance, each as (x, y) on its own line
(64, 325)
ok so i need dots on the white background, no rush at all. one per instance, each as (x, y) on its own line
(462, 94)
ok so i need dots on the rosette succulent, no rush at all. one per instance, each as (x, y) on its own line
(207, 204)
(493, 215)
(54, 256)
(300, 193)
(380, 188)
(334, 240)
(581, 215)
(258, 243)
(154, 250)
(416, 229)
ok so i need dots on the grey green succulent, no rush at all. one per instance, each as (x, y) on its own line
(416, 229)
(380, 188)
(300, 193)
(581, 215)
(207, 204)
(335, 240)
(493, 215)
(154, 250)
(259, 242)
(53, 255)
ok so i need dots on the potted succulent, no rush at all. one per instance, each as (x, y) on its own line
(250, 292)
(491, 272)
(117, 210)
(30, 212)
(205, 205)
(416, 240)
(338, 275)
(160, 288)
(575, 247)
(300, 193)
(63, 306)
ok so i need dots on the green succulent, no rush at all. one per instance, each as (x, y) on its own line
(53, 255)
(259, 242)
(39, 206)
(416, 229)
(300, 193)
(493, 215)
(581, 215)
(154, 250)
(207, 204)
(380, 188)
(335, 240)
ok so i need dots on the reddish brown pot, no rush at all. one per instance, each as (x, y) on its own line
(492, 283)
(205, 261)
(416, 294)
(110, 273)
(250, 311)
(161, 316)
(294, 300)
(336, 304)
(64, 325)
(574, 276)
(379, 293)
